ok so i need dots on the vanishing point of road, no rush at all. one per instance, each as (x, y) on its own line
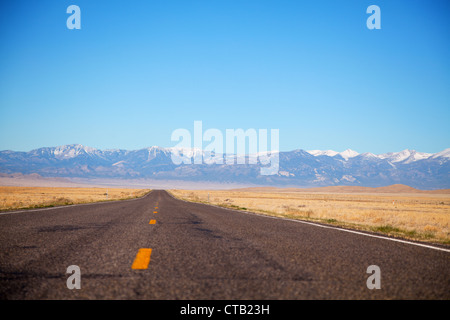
(159, 247)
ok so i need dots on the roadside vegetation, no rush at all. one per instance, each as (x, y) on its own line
(419, 217)
(20, 198)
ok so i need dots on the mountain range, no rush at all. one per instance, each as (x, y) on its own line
(297, 168)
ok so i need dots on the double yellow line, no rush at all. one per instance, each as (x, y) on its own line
(142, 259)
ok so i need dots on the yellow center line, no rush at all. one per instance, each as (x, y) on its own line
(142, 259)
(152, 221)
(155, 211)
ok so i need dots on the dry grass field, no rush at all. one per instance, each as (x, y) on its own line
(13, 198)
(417, 216)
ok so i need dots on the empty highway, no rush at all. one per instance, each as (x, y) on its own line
(158, 247)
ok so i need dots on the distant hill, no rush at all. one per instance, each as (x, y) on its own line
(396, 188)
(297, 168)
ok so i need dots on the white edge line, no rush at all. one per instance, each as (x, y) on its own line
(73, 205)
(323, 226)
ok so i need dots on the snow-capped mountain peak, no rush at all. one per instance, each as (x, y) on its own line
(72, 150)
(297, 167)
(329, 153)
(349, 153)
(406, 156)
(444, 153)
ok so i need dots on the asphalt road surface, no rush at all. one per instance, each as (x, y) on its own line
(158, 247)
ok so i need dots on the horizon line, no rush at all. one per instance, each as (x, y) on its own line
(193, 148)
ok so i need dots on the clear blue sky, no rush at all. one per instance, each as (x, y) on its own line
(137, 70)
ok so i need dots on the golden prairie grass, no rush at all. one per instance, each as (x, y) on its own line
(13, 198)
(413, 216)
